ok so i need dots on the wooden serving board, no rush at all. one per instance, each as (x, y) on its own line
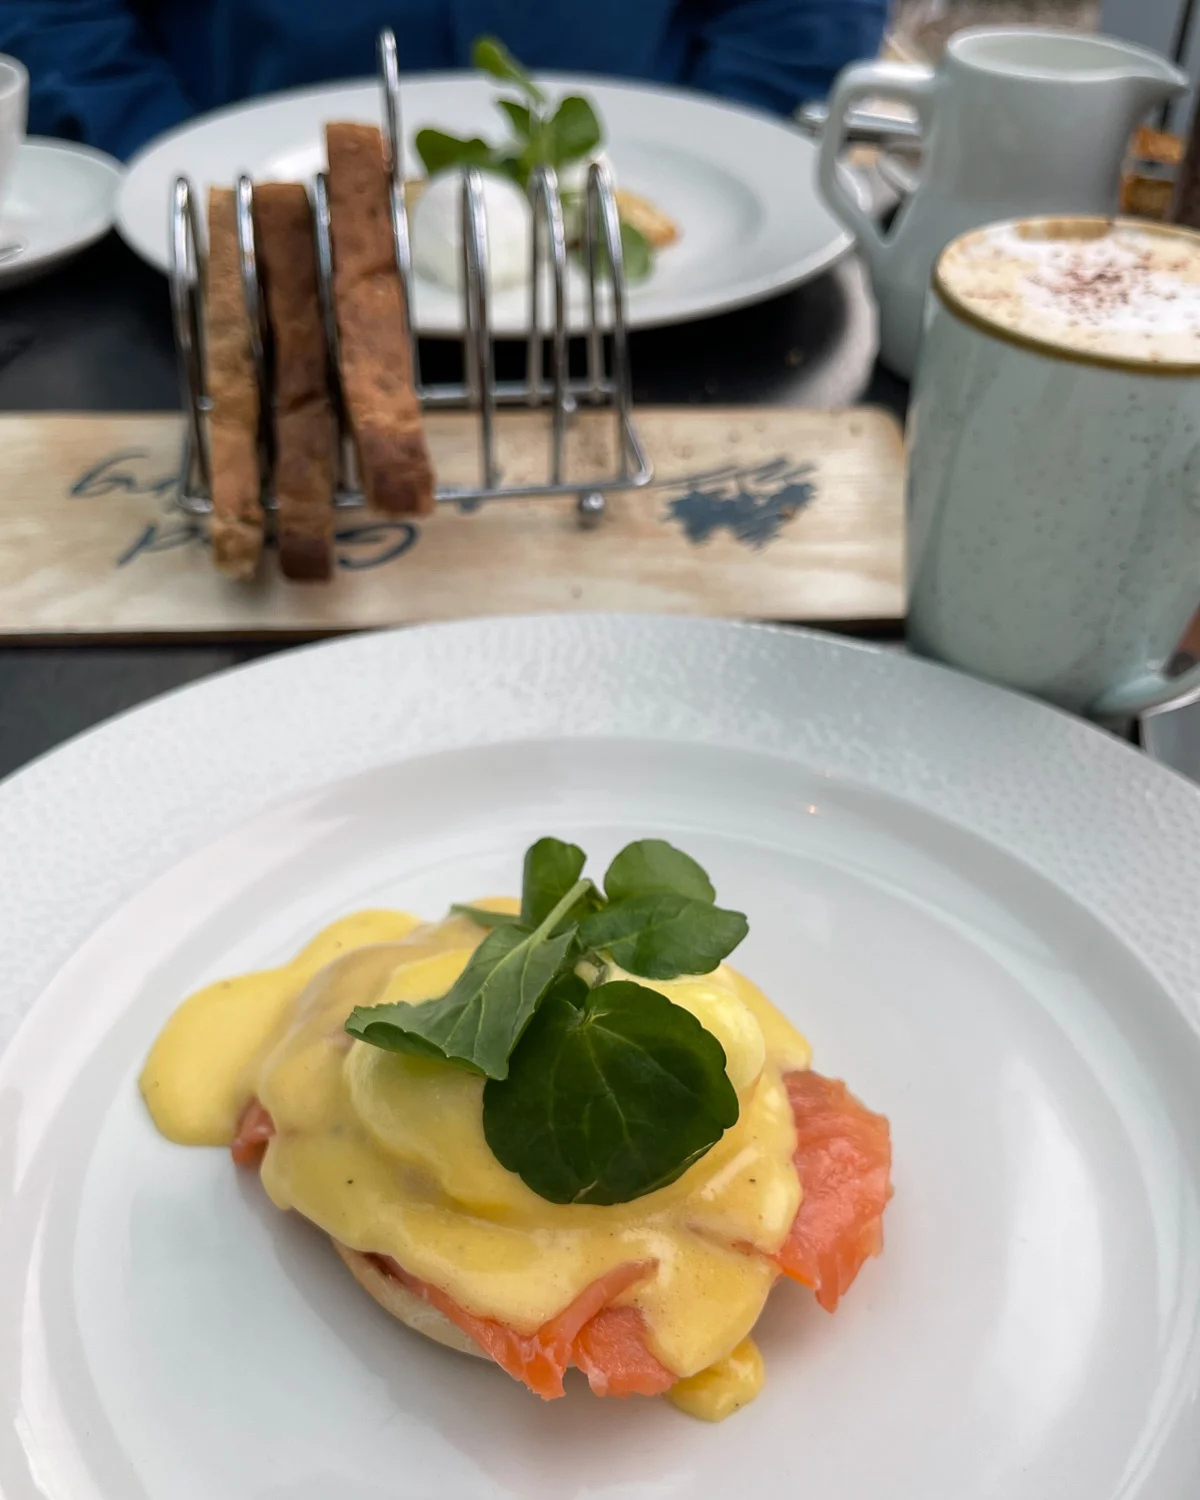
(754, 513)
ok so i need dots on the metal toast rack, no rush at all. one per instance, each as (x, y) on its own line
(606, 382)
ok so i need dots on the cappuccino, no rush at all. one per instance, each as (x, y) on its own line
(1115, 291)
(1054, 461)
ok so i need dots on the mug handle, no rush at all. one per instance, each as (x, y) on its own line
(911, 82)
(1149, 690)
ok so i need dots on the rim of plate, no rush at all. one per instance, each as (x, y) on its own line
(86, 826)
(132, 221)
(50, 145)
(89, 227)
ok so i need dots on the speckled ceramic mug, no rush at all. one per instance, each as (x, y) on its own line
(1054, 461)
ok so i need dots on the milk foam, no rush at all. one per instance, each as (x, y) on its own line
(1121, 290)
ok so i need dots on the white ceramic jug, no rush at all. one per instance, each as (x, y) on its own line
(1015, 122)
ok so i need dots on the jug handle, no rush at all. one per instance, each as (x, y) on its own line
(907, 81)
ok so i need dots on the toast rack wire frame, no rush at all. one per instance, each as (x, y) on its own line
(480, 390)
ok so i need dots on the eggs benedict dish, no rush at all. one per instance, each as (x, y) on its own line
(565, 135)
(554, 1132)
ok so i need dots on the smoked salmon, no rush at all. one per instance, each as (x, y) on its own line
(612, 1351)
(609, 1347)
(844, 1158)
(255, 1129)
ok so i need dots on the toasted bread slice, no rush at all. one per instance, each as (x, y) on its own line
(305, 434)
(372, 322)
(237, 513)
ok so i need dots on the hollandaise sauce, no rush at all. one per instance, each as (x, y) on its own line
(387, 1154)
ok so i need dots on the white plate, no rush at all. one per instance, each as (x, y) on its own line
(741, 185)
(59, 201)
(982, 912)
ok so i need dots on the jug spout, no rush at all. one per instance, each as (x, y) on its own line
(1133, 79)
(1151, 81)
(1146, 79)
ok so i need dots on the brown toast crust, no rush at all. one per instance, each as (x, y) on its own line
(305, 434)
(376, 370)
(237, 513)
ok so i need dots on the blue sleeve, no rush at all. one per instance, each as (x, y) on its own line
(778, 53)
(93, 75)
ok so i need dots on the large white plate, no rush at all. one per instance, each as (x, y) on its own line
(741, 185)
(982, 912)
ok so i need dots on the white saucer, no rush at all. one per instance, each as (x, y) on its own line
(61, 199)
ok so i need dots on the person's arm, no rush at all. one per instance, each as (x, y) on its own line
(93, 75)
(779, 53)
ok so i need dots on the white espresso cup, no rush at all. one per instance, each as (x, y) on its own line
(1054, 460)
(14, 108)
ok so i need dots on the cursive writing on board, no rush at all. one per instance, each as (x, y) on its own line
(163, 536)
(117, 475)
(369, 544)
(359, 545)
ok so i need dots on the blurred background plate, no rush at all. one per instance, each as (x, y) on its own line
(741, 185)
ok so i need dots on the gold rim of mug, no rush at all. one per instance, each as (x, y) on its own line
(1047, 347)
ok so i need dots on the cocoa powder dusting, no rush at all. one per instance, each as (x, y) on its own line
(1089, 291)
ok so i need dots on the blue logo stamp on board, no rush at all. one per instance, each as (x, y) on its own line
(752, 504)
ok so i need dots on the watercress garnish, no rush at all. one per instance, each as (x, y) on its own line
(660, 937)
(491, 56)
(613, 1093)
(479, 1020)
(551, 869)
(439, 150)
(598, 1090)
(537, 137)
(652, 866)
(637, 253)
(574, 129)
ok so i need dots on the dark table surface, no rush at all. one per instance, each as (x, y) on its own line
(96, 336)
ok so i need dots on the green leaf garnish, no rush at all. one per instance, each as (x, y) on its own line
(520, 117)
(439, 150)
(479, 1020)
(637, 255)
(483, 917)
(551, 868)
(512, 164)
(652, 866)
(490, 55)
(574, 130)
(663, 936)
(613, 1093)
(597, 1092)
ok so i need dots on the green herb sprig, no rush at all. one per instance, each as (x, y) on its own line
(598, 1090)
(538, 136)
